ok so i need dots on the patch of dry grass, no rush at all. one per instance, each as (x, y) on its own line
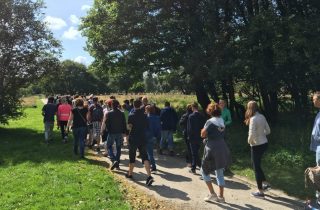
(30, 101)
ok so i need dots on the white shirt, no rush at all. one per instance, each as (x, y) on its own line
(258, 129)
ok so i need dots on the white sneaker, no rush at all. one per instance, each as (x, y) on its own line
(221, 199)
(211, 198)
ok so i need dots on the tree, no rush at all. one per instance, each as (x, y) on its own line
(72, 78)
(27, 51)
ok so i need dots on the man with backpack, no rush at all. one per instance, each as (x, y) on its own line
(95, 117)
(48, 112)
(169, 120)
(117, 128)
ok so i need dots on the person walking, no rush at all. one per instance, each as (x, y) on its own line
(152, 134)
(183, 122)
(315, 135)
(48, 112)
(194, 126)
(95, 117)
(137, 123)
(258, 130)
(117, 128)
(78, 120)
(216, 154)
(169, 120)
(63, 115)
(225, 113)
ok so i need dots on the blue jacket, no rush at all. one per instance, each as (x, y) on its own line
(169, 119)
(154, 127)
(315, 135)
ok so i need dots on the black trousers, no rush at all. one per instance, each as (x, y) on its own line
(188, 151)
(256, 156)
(195, 155)
(63, 126)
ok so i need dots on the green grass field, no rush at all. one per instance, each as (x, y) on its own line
(39, 176)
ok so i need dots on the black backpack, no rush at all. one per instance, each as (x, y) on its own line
(97, 113)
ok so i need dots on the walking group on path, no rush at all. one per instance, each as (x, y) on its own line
(143, 127)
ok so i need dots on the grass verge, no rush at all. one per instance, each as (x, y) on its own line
(39, 176)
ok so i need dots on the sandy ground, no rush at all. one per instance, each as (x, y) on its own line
(177, 187)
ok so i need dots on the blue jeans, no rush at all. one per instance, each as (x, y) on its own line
(166, 136)
(219, 177)
(150, 146)
(318, 155)
(79, 140)
(110, 141)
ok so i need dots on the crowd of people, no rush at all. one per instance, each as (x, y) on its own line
(142, 126)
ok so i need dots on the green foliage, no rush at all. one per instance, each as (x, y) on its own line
(69, 78)
(210, 47)
(27, 51)
(39, 176)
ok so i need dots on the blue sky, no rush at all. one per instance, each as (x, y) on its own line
(63, 17)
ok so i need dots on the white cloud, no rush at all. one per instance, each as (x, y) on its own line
(71, 33)
(55, 23)
(74, 19)
(85, 7)
(81, 59)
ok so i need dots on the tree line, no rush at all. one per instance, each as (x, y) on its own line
(267, 50)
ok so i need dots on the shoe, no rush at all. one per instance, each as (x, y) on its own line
(211, 198)
(193, 171)
(257, 195)
(221, 199)
(266, 187)
(128, 176)
(114, 165)
(153, 170)
(149, 181)
(171, 153)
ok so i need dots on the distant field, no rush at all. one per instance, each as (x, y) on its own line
(178, 101)
(29, 101)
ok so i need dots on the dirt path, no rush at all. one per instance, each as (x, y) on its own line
(175, 186)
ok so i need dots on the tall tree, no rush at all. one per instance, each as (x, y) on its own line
(27, 51)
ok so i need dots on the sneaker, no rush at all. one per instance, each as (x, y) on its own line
(211, 198)
(128, 176)
(149, 181)
(221, 199)
(193, 171)
(257, 194)
(266, 187)
(114, 165)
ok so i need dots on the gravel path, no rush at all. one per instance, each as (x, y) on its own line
(175, 185)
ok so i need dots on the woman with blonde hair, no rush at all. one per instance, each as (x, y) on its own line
(216, 156)
(258, 129)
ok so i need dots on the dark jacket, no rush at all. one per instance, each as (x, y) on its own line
(196, 122)
(184, 122)
(154, 127)
(116, 122)
(169, 119)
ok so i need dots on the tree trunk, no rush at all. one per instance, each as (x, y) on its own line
(202, 95)
(213, 91)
